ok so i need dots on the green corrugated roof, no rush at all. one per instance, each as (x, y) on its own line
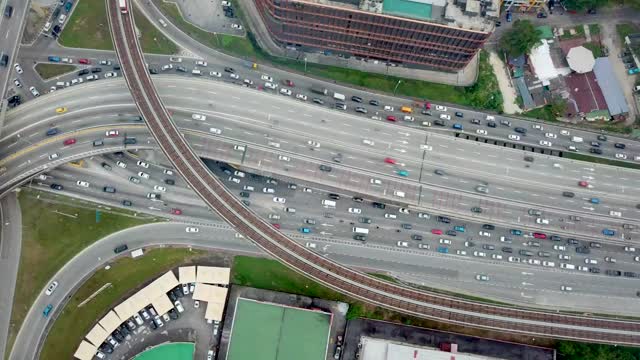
(407, 8)
(598, 114)
(545, 32)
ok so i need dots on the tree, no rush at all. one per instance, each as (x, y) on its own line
(520, 39)
(584, 4)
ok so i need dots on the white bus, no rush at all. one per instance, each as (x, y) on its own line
(360, 230)
(123, 6)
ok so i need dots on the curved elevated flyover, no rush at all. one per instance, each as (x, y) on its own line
(332, 274)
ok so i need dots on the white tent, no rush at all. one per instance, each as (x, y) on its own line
(581, 59)
(542, 64)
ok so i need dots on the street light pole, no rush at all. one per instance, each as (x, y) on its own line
(305, 64)
(396, 88)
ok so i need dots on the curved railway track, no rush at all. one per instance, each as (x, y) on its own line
(330, 273)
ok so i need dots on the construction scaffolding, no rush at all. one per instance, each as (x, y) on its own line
(523, 5)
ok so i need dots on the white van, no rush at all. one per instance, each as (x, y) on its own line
(390, 216)
(339, 96)
(329, 203)
(196, 72)
(290, 210)
(360, 230)
(567, 266)
(576, 139)
(248, 188)
(398, 193)
(490, 118)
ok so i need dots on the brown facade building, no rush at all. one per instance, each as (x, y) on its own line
(432, 34)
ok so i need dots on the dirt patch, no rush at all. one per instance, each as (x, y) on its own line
(36, 17)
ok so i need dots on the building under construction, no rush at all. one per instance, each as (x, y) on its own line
(434, 34)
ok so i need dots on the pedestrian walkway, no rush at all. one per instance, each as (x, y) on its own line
(509, 94)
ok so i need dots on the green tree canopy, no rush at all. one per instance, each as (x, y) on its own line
(585, 4)
(520, 39)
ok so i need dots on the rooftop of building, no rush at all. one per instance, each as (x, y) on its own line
(476, 15)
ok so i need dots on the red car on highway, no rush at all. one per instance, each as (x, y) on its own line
(69, 142)
(277, 226)
(389, 160)
(583, 183)
(288, 83)
(539, 235)
(427, 105)
(436, 231)
(84, 61)
(176, 211)
(391, 118)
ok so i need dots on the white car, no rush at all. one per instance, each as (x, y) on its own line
(175, 59)
(142, 164)
(314, 144)
(355, 211)
(47, 26)
(51, 288)
(92, 77)
(215, 131)
(564, 257)
(566, 288)
(201, 63)
(239, 173)
(481, 132)
(62, 18)
(621, 156)
(402, 244)
(545, 143)
(301, 97)
(279, 200)
(565, 133)
(559, 247)
(67, 60)
(105, 62)
(271, 86)
(445, 241)
(404, 211)
(484, 233)
(551, 135)
(284, 158)
(143, 175)
(76, 81)
(629, 249)
(422, 215)
(542, 221)
(534, 262)
(138, 319)
(248, 82)
(215, 74)
(441, 108)
(110, 74)
(191, 229)
(388, 108)
(111, 133)
(482, 277)
(445, 116)
(159, 188)
(513, 259)
(162, 22)
(311, 245)
(17, 83)
(198, 117)
(591, 261)
(496, 256)
(82, 183)
(34, 91)
(167, 172)
(178, 306)
(234, 76)
(236, 26)
(121, 164)
(285, 91)
(375, 181)
(537, 127)
(548, 264)
(368, 142)
(266, 78)
(479, 254)
(166, 67)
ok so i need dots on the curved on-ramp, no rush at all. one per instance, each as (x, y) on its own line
(327, 272)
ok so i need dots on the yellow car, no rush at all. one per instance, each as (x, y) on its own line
(61, 110)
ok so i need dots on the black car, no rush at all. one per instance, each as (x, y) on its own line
(8, 10)
(120, 248)
(452, 233)
(246, 202)
(126, 203)
(96, 70)
(583, 250)
(594, 244)
(229, 69)
(153, 71)
(613, 272)
(130, 141)
(594, 270)
(172, 296)
(4, 60)
(334, 196)
(572, 241)
(361, 110)
(359, 237)
(56, 30)
(173, 314)
(602, 137)
(459, 114)
(318, 101)
(520, 130)
(244, 194)
(416, 237)
(407, 226)
(378, 205)
(425, 112)
(476, 121)
(124, 329)
(374, 102)
(169, 181)
(492, 124)
(106, 347)
(106, 166)
(439, 122)
(595, 151)
(568, 194)
(364, 220)
(555, 238)
(595, 144)
(488, 247)
(181, 69)
(118, 335)
(357, 99)
(153, 325)
(488, 227)
(476, 209)
(357, 199)
(83, 72)
(116, 67)
(57, 187)
(507, 249)
(444, 219)
(620, 145)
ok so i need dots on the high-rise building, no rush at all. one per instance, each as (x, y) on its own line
(434, 34)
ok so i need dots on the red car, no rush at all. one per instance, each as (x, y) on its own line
(391, 118)
(436, 231)
(84, 61)
(539, 235)
(176, 211)
(583, 183)
(277, 226)
(427, 105)
(69, 142)
(288, 83)
(112, 133)
(389, 160)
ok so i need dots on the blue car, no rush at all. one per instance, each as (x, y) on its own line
(459, 228)
(47, 310)
(402, 173)
(509, 16)
(304, 230)
(608, 232)
(54, 58)
(443, 249)
(516, 232)
(594, 200)
(457, 126)
(52, 131)
(68, 5)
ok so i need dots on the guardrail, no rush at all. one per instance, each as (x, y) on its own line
(330, 273)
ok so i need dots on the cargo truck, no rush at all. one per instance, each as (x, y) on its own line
(319, 90)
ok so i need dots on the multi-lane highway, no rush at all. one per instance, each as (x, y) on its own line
(272, 125)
